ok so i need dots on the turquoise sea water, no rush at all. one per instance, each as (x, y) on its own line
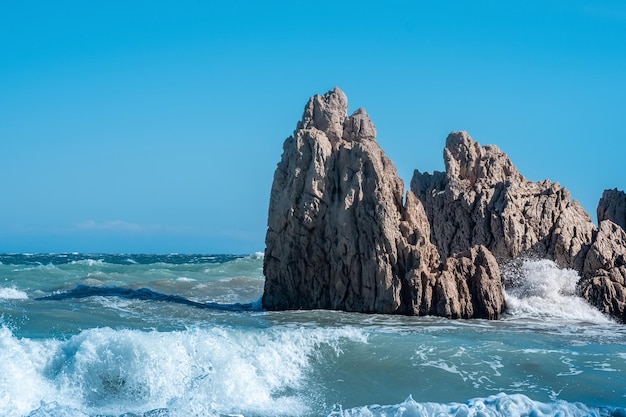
(184, 335)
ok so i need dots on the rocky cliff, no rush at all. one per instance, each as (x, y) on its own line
(482, 199)
(340, 235)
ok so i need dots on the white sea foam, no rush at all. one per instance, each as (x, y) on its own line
(48, 266)
(540, 289)
(88, 262)
(495, 405)
(12, 294)
(205, 372)
(258, 255)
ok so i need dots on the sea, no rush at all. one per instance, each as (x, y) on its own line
(185, 335)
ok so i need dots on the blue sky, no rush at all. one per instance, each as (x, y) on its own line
(153, 126)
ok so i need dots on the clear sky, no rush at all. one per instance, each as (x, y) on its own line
(156, 126)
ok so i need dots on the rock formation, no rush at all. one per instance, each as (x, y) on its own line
(340, 236)
(482, 199)
(604, 273)
(612, 206)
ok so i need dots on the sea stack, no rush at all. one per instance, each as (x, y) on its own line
(482, 199)
(342, 235)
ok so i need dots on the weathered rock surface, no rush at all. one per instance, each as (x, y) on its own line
(604, 274)
(340, 236)
(612, 206)
(482, 199)
(467, 285)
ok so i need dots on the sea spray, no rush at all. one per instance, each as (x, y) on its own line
(540, 289)
(12, 293)
(195, 372)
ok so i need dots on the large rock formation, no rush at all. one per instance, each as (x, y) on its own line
(340, 236)
(482, 199)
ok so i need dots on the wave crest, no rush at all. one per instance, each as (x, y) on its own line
(495, 405)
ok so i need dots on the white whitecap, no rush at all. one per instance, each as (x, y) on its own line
(88, 262)
(12, 294)
(213, 371)
(495, 405)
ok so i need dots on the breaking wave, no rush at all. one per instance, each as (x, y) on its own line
(540, 289)
(492, 406)
(206, 372)
(12, 294)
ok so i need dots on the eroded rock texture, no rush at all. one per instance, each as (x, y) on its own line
(604, 273)
(482, 199)
(612, 206)
(340, 236)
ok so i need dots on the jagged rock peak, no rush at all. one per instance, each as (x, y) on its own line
(359, 127)
(483, 200)
(612, 206)
(466, 160)
(328, 113)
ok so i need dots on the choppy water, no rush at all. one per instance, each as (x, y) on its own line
(184, 335)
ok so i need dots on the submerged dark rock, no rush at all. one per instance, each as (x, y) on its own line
(144, 294)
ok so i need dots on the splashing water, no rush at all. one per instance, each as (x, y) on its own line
(540, 289)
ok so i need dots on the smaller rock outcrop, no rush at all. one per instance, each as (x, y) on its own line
(604, 274)
(612, 206)
(467, 285)
(482, 199)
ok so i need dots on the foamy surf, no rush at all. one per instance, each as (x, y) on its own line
(12, 294)
(501, 405)
(540, 289)
(214, 371)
